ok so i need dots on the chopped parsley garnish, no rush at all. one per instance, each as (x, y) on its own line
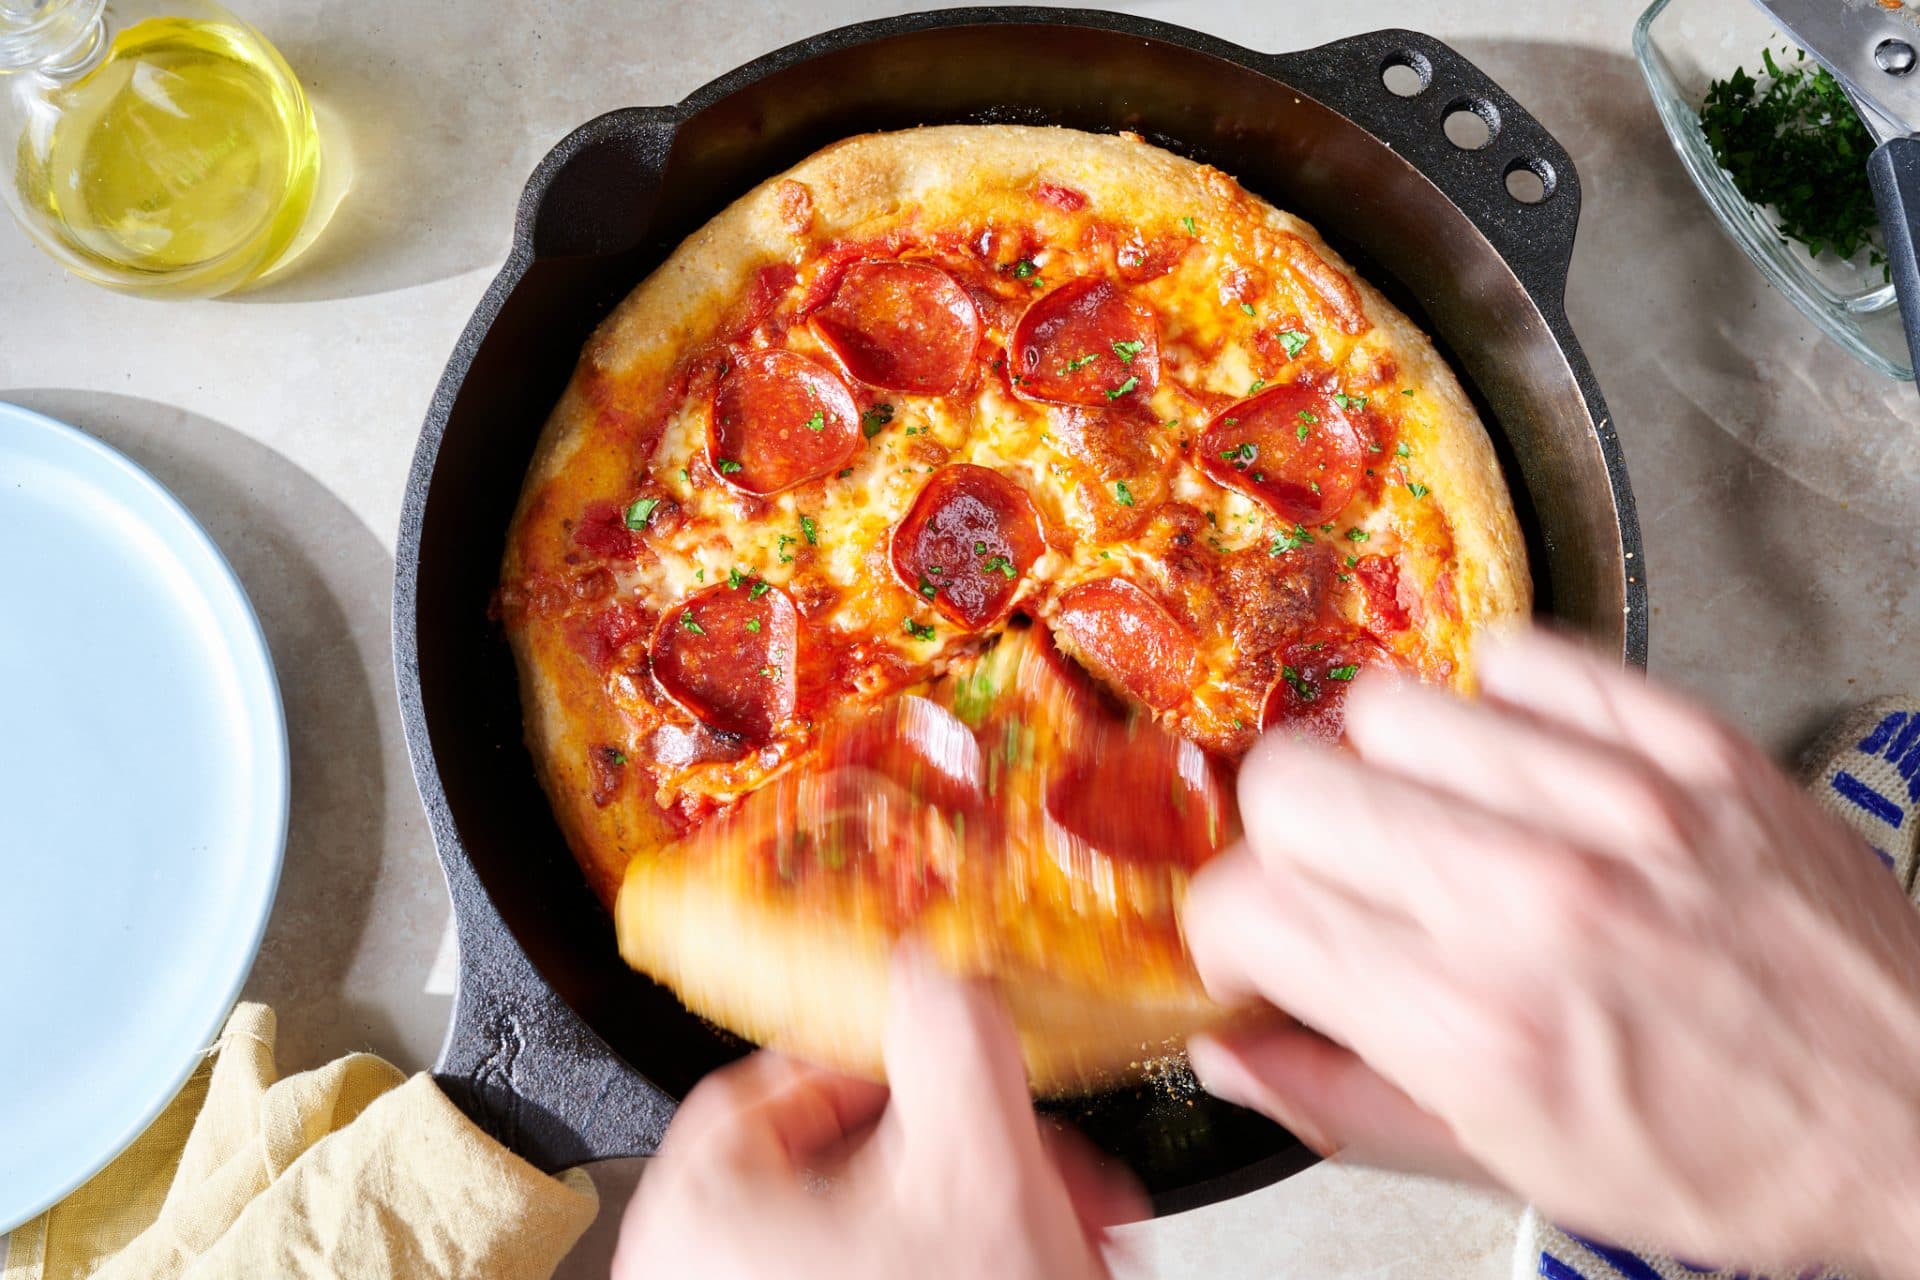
(735, 577)
(1247, 307)
(616, 756)
(874, 419)
(1128, 350)
(1241, 455)
(640, 512)
(1417, 489)
(1300, 432)
(1352, 561)
(757, 590)
(1171, 422)
(1306, 692)
(1307, 415)
(927, 589)
(920, 630)
(786, 540)
(843, 473)
(1257, 384)
(1357, 534)
(818, 422)
(1284, 542)
(979, 548)
(1080, 362)
(812, 530)
(1346, 401)
(1188, 224)
(753, 624)
(1114, 393)
(1121, 492)
(688, 624)
(700, 574)
(1401, 451)
(1792, 141)
(1294, 342)
(684, 475)
(728, 466)
(1406, 391)
(771, 673)
(1024, 269)
(1000, 564)
(1347, 672)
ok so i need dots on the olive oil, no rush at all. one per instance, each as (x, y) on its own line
(183, 162)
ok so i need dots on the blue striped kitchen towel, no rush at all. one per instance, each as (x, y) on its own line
(1866, 771)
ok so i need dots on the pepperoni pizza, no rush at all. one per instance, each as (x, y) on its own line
(919, 548)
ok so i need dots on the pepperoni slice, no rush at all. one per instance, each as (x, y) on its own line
(1380, 581)
(1291, 447)
(902, 326)
(779, 420)
(1317, 670)
(726, 655)
(918, 744)
(1125, 637)
(969, 538)
(1086, 343)
(1137, 795)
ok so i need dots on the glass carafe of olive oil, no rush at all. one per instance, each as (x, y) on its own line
(156, 146)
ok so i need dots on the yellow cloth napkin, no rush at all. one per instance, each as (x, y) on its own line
(349, 1171)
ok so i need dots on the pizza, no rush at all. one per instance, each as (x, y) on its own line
(916, 552)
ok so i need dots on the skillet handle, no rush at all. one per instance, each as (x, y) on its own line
(523, 1066)
(1894, 171)
(595, 193)
(1534, 236)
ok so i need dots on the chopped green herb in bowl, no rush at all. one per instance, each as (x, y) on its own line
(1792, 142)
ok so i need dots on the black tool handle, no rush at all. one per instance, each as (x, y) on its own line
(1894, 170)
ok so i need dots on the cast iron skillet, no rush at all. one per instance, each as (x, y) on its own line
(556, 1046)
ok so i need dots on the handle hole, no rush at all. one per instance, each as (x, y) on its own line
(1405, 73)
(1529, 181)
(1471, 123)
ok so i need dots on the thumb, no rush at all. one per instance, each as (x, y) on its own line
(954, 1068)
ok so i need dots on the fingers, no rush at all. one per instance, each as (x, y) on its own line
(1396, 843)
(1548, 775)
(774, 1109)
(1564, 682)
(954, 1065)
(1365, 977)
(1103, 1194)
(1329, 1099)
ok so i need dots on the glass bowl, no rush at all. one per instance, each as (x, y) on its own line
(1684, 45)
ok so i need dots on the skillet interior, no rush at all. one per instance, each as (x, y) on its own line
(612, 202)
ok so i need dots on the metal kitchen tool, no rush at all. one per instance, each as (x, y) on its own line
(1873, 50)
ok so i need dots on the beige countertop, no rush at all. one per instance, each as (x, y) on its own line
(1776, 479)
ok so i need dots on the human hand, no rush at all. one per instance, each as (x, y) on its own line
(1581, 940)
(952, 1175)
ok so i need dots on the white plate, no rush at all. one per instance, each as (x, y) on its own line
(143, 802)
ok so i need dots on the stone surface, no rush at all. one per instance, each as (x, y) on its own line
(1777, 480)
